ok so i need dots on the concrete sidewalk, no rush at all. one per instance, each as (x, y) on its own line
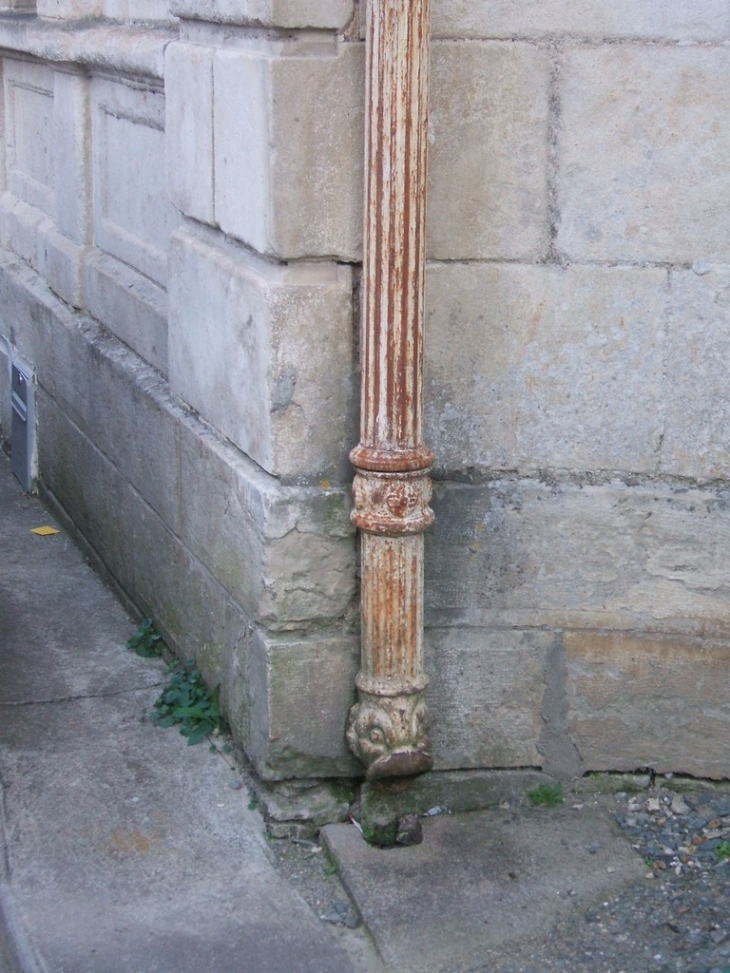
(125, 851)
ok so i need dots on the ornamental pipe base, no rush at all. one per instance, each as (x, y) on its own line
(388, 734)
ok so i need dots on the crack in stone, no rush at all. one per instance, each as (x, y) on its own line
(73, 698)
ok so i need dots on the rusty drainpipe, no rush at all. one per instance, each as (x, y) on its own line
(392, 489)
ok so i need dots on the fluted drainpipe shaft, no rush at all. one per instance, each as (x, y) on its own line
(392, 489)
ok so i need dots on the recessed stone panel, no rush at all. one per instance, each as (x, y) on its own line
(29, 132)
(72, 168)
(132, 215)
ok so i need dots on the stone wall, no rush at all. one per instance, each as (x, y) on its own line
(180, 221)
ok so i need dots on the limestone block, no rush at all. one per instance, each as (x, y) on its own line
(488, 192)
(153, 568)
(3, 131)
(125, 50)
(485, 696)
(269, 13)
(310, 562)
(137, 11)
(89, 488)
(27, 316)
(643, 158)
(131, 305)
(26, 6)
(526, 553)
(536, 366)
(121, 405)
(697, 437)
(72, 172)
(189, 129)
(5, 390)
(31, 233)
(29, 132)
(288, 151)
(69, 9)
(286, 554)
(63, 267)
(132, 215)
(263, 351)
(24, 229)
(649, 702)
(301, 693)
(702, 20)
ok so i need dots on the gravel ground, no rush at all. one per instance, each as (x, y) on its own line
(675, 920)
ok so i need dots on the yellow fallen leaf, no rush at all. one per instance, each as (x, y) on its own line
(44, 531)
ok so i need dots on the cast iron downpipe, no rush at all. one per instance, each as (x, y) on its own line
(392, 489)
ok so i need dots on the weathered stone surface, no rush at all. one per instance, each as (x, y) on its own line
(63, 268)
(101, 503)
(662, 19)
(5, 410)
(556, 553)
(485, 696)
(132, 306)
(535, 366)
(310, 565)
(697, 433)
(280, 333)
(137, 11)
(24, 230)
(158, 573)
(71, 142)
(123, 407)
(273, 13)
(29, 132)
(651, 180)
(643, 701)
(133, 217)
(189, 129)
(286, 553)
(488, 191)
(301, 693)
(130, 50)
(288, 151)
(27, 315)
(69, 9)
(458, 791)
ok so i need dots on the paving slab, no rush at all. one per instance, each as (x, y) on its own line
(122, 850)
(480, 880)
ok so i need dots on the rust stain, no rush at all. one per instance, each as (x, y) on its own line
(392, 487)
(130, 842)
